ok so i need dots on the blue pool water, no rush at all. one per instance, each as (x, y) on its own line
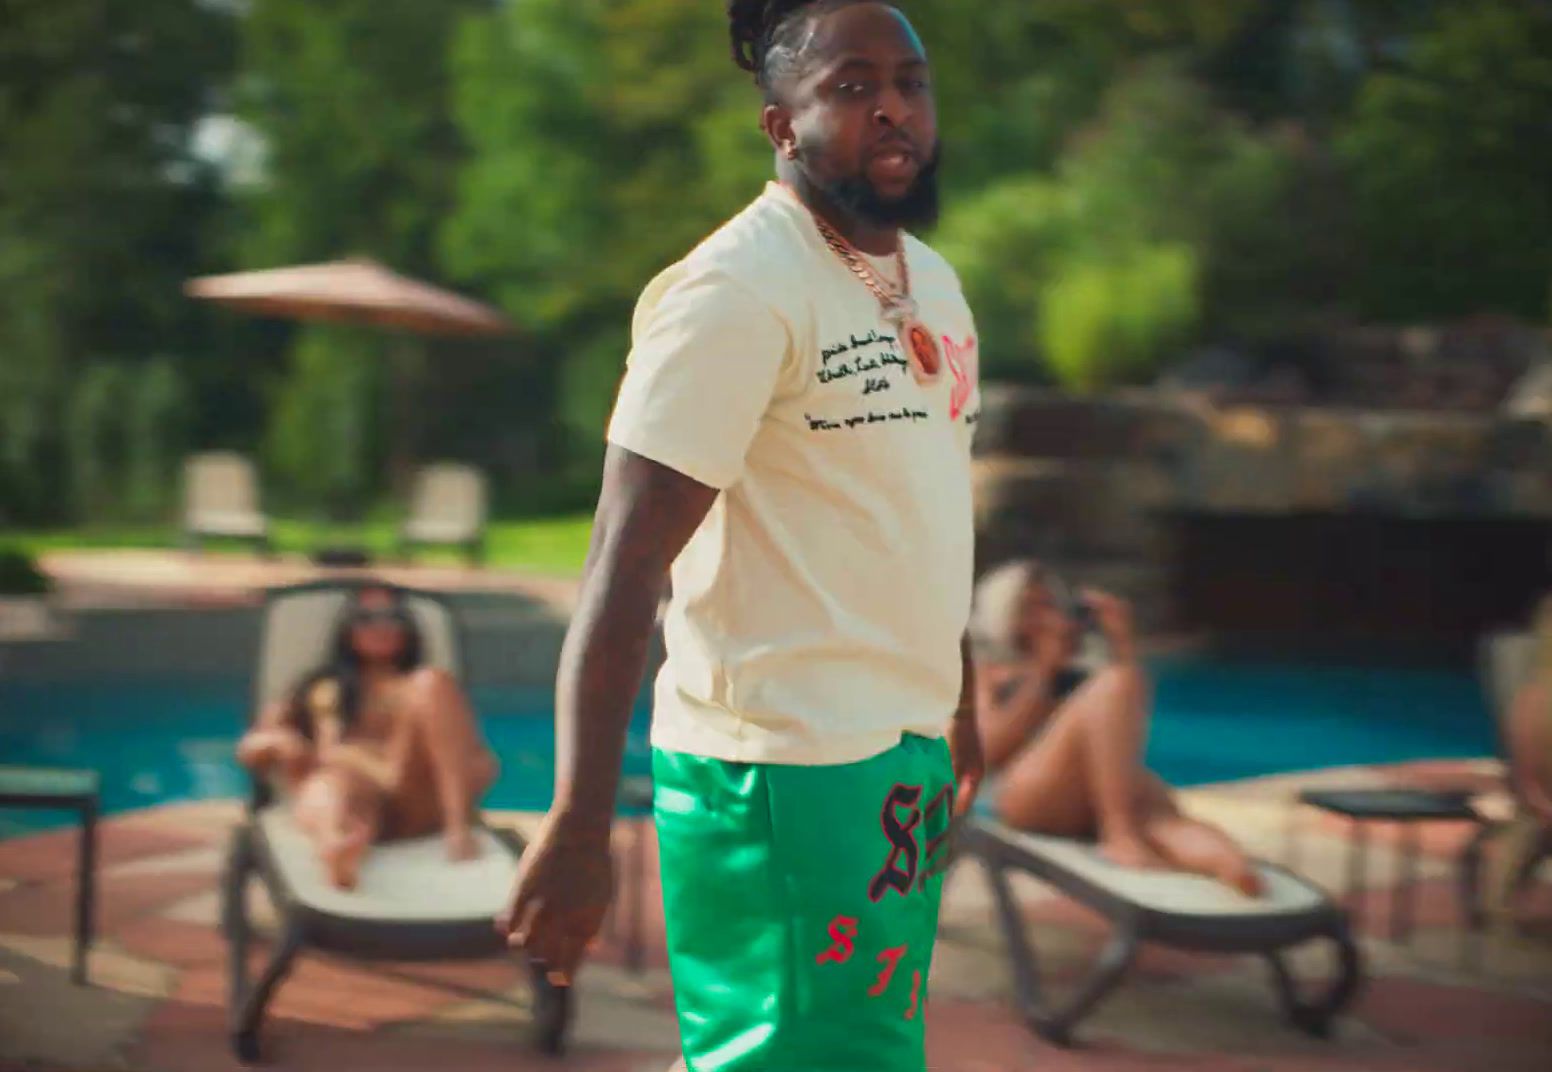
(1213, 721)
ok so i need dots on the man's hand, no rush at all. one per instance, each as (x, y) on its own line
(964, 737)
(646, 513)
(561, 894)
(964, 744)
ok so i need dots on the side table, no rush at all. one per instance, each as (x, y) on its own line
(73, 790)
(1406, 807)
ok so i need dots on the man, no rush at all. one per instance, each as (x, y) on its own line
(792, 437)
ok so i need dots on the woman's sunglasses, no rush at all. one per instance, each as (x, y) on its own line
(379, 616)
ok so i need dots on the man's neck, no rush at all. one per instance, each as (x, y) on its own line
(870, 238)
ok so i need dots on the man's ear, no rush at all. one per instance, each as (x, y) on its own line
(776, 121)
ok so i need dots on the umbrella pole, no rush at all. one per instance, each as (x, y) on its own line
(406, 362)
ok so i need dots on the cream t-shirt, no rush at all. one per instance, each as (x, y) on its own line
(817, 611)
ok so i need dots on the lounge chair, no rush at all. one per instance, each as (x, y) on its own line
(1505, 660)
(447, 508)
(1183, 911)
(221, 499)
(411, 902)
(1173, 909)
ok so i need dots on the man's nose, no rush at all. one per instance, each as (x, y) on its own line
(893, 110)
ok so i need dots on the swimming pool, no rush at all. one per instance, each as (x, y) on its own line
(1214, 720)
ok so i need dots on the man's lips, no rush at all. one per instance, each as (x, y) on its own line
(894, 149)
(894, 159)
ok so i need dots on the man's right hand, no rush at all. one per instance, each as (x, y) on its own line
(646, 514)
(561, 895)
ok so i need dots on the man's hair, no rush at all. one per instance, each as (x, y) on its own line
(767, 35)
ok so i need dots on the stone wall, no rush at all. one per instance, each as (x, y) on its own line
(1099, 487)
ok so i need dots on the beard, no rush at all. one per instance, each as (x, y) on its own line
(917, 208)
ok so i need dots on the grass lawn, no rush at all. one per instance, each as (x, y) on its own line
(545, 545)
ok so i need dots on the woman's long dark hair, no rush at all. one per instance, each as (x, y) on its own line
(344, 665)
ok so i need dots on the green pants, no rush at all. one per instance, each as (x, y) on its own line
(802, 905)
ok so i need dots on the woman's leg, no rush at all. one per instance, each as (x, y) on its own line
(1188, 844)
(446, 767)
(1083, 776)
(340, 811)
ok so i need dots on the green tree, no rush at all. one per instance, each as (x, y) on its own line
(353, 101)
(156, 432)
(603, 150)
(1111, 322)
(104, 206)
(1449, 154)
(1161, 168)
(96, 437)
(323, 438)
(530, 224)
(1006, 242)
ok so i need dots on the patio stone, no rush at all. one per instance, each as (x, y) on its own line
(49, 908)
(108, 968)
(170, 942)
(52, 856)
(204, 860)
(324, 992)
(47, 1022)
(158, 1003)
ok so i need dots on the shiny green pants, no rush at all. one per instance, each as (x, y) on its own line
(801, 907)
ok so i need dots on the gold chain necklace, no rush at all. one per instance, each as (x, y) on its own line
(897, 307)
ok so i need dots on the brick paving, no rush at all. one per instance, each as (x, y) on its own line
(157, 998)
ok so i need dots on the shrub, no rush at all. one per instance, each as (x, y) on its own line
(19, 575)
(1113, 322)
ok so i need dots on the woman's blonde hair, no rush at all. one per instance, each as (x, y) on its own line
(994, 612)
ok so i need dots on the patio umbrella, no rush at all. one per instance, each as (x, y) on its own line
(358, 291)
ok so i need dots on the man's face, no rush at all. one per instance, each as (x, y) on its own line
(860, 115)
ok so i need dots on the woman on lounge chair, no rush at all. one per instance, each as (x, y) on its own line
(1063, 736)
(374, 745)
(1527, 837)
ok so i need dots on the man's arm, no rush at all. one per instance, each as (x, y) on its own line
(965, 736)
(646, 513)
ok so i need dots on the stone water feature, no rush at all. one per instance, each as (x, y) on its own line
(1159, 497)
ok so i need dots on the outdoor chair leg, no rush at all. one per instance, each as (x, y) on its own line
(1469, 882)
(552, 1010)
(234, 914)
(1056, 1024)
(1314, 1016)
(248, 1017)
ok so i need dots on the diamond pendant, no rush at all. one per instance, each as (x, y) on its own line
(900, 311)
(915, 339)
